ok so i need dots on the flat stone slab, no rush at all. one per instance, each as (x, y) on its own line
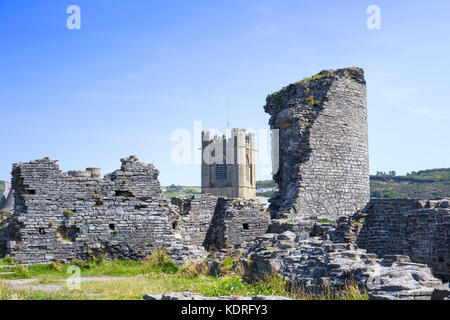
(197, 296)
(27, 284)
(93, 279)
(39, 287)
(19, 281)
(441, 292)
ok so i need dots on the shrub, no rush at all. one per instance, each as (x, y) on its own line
(160, 261)
(353, 292)
(226, 264)
(193, 269)
(7, 261)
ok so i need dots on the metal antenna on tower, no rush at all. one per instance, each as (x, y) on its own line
(228, 114)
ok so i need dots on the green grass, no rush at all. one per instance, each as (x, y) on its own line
(275, 285)
(310, 101)
(157, 263)
(154, 275)
(126, 288)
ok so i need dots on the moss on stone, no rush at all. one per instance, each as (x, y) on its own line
(68, 213)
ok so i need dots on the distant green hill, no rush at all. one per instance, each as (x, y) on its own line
(425, 184)
(266, 184)
(175, 191)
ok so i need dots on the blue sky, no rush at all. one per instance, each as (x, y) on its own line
(138, 70)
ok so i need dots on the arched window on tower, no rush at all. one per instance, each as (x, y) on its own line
(221, 171)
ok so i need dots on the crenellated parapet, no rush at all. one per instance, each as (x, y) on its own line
(228, 164)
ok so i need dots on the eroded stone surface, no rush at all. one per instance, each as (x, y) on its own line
(323, 145)
(61, 217)
(313, 264)
(196, 296)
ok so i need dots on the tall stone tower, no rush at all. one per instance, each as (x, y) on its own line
(323, 145)
(228, 164)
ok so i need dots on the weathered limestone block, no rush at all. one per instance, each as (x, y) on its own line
(323, 145)
(216, 222)
(61, 217)
(196, 296)
(441, 292)
(315, 263)
(404, 226)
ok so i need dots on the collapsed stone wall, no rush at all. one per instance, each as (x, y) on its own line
(217, 223)
(240, 223)
(317, 264)
(323, 145)
(61, 217)
(418, 229)
(323, 176)
(191, 217)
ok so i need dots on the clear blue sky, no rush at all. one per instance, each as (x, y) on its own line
(137, 70)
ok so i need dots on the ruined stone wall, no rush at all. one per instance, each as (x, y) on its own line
(192, 217)
(418, 229)
(243, 222)
(60, 218)
(323, 145)
(217, 222)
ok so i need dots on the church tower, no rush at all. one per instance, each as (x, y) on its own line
(228, 164)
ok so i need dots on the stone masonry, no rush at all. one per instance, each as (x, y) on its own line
(58, 217)
(418, 229)
(228, 164)
(323, 145)
(324, 231)
(218, 223)
(61, 217)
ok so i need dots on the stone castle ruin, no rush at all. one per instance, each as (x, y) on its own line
(321, 228)
(323, 145)
(78, 215)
